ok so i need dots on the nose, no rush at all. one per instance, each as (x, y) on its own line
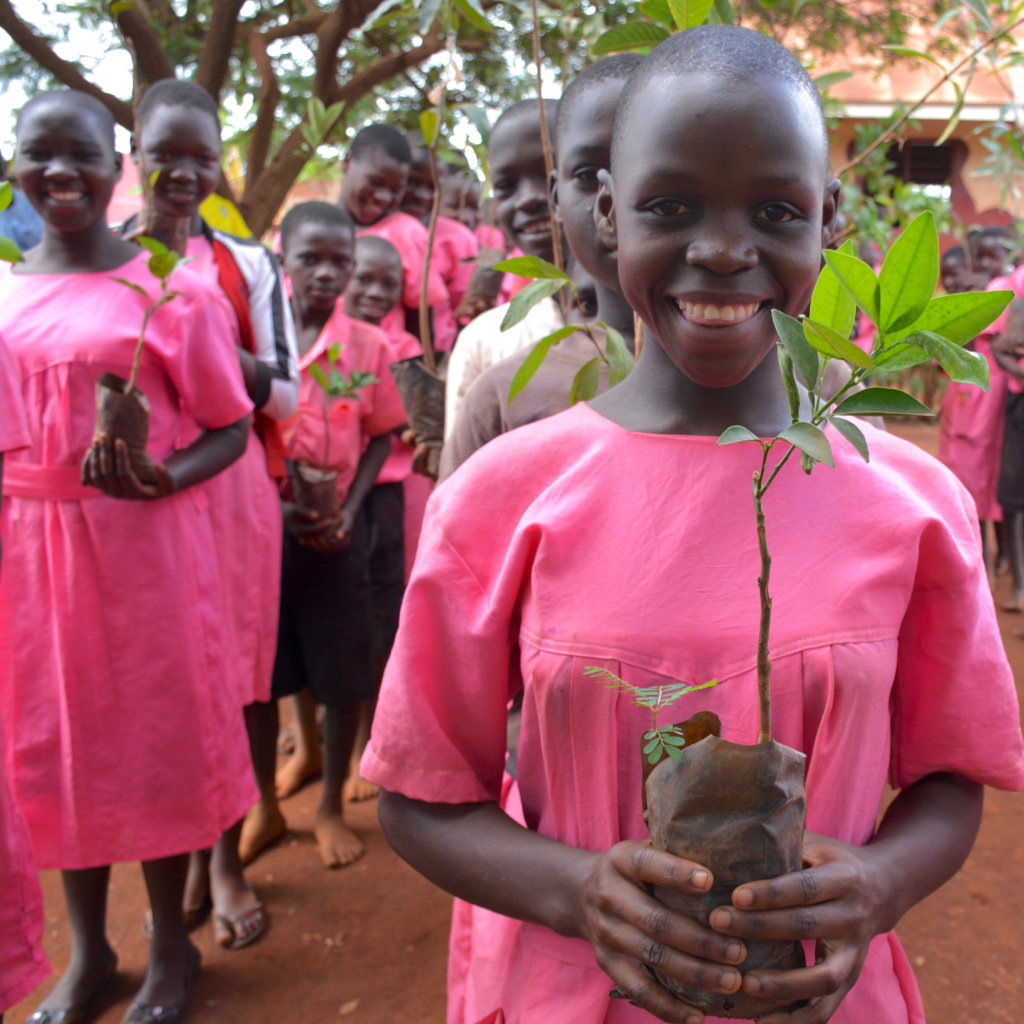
(59, 166)
(325, 272)
(722, 245)
(531, 195)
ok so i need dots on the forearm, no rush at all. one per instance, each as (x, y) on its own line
(367, 471)
(211, 452)
(478, 853)
(924, 839)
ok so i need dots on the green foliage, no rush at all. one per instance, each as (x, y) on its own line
(320, 119)
(663, 741)
(334, 385)
(8, 250)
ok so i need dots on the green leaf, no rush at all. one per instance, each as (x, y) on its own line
(835, 346)
(9, 252)
(6, 194)
(134, 287)
(789, 380)
(430, 123)
(906, 51)
(121, 5)
(532, 266)
(909, 274)
(473, 13)
(674, 752)
(584, 387)
(962, 366)
(831, 303)
(857, 278)
(333, 351)
(882, 402)
(151, 245)
(853, 434)
(316, 371)
(532, 362)
(901, 357)
(825, 82)
(654, 756)
(657, 10)
(652, 745)
(620, 359)
(811, 440)
(954, 118)
(735, 434)
(688, 13)
(723, 10)
(961, 317)
(163, 264)
(634, 35)
(526, 298)
(428, 12)
(673, 740)
(806, 361)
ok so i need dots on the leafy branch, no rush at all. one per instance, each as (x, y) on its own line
(9, 251)
(335, 384)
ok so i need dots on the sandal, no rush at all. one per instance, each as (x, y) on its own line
(81, 1013)
(151, 1013)
(243, 929)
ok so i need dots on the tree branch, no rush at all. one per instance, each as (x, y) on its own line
(266, 107)
(151, 63)
(39, 49)
(217, 45)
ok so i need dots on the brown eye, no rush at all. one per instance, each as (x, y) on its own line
(776, 213)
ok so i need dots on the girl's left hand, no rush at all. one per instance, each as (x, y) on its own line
(838, 900)
(108, 467)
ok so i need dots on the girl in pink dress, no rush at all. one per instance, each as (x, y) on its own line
(23, 963)
(123, 743)
(619, 535)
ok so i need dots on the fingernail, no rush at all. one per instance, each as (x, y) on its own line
(694, 1020)
(742, 898)
(734, 952)
(700, 878)
(752, 985)
(720, 918)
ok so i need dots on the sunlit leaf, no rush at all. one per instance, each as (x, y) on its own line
(6, 194)
(121, 5)
(857, 278)
(954, 118)
(430, 123)
(853, 434)
(906, 51)
(962, 365)
(737, 433)
(634, 35)
(526, 298)
(531, 266)
(657, 10)
(584, 387)
(882, 402)
(806, 361)
(316, 371)
(901, 357)
(688, 13)
(809, 439)
(532, 362)
(835, 346)
(9, 251)
(824, 82)
(961, 317)
(163, 264)
(909, 274)
(620, 359)
(831, 303)
(150, 244)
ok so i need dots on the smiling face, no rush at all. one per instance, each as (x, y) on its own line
(182, 144)
(520, 184)
(990, 256)
(376, 282)
(953, 272)
(65, 163)
(584, 149)
(719, 212)
(418, 199)
(373, 185)
(318, 257)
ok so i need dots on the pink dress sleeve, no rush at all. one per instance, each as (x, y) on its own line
(13, 426)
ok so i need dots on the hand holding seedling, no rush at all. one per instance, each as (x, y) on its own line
(108, 467)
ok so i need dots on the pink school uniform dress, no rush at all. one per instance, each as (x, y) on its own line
(23, 963)
(572, 542)
(971, 428)
(246, 503)
(409, 237)
(123, 740)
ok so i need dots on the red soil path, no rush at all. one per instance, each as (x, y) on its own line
(366, 945)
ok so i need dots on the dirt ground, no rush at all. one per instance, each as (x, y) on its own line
(367, 944)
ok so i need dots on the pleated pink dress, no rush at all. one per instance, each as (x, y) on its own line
(23, 964)
(571, 543)
(124, 740)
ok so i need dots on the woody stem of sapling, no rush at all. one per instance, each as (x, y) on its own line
(137, 355)
(327, 431)
(435, 210)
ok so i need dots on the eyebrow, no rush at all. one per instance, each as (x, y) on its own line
(767, 180)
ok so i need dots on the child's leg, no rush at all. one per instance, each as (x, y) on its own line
(1013, 522)
(238, 915)
(356, 787)
(173, 960)
(305, 762)
(338, 844)
(264, 824)
(197, 888)
(92, 960)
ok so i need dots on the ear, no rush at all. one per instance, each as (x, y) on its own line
(830, 212)
(118, 165)
(133, 147)
(604, 211)
(553, 196)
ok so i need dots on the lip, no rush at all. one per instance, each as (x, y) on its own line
(537, 226)
(65, 196)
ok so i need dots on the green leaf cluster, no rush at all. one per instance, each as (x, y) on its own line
(334, 383)
(8, 250)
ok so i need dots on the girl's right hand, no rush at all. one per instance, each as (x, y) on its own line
(630, 930)
(108, 467)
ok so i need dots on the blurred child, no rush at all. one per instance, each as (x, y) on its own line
(325, 635)
(620, 535)
(953, 271)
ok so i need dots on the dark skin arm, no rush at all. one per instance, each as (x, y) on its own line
(843, 898)
(106, 465)
(248, 362)
(334, 534)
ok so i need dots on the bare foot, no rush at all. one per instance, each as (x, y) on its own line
(286, 741)
(339, 845)
(296, 772)
(357, 788)
(263, 826)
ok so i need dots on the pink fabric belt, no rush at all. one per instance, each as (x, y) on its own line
(49, 483)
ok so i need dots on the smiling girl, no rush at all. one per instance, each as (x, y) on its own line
(619, 535)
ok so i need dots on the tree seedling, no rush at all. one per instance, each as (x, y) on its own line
(335, 385)
(9, 251)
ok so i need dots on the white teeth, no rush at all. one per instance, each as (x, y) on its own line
(66, 197)
(722, 314)
(536, 229)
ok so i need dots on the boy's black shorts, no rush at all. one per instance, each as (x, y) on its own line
(325, 627)
(385, 513)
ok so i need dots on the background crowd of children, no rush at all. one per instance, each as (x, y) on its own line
(156, 622)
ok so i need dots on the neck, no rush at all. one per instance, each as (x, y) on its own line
(93, 250)
(309, 323)
(657, 398)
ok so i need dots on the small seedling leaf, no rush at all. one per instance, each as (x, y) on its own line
(673, 752)
(634, 35)
(6, 194)
(532, 266)
(652, 745)
(811, 440)
(961, 365)
(316, 371)
(655, 755)
(620, 359)
(688, 13)
(674, 741)
(835, 346)
(806, 361)
(960, 317)
(134, 287)
(954, 118)
(584, 387)
(735, 434)
(9, 251)
(333, 351)
(901, 357)
(163, 264)
(430, 123)
(826, 81)
(789, 381)
(151, 245)
(526, 298)
(909, 274)
(857, 278)
(532, 362)
(877, 401)
(853, 434)
(831, 303)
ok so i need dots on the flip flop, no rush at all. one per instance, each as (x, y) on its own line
(243, 929)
